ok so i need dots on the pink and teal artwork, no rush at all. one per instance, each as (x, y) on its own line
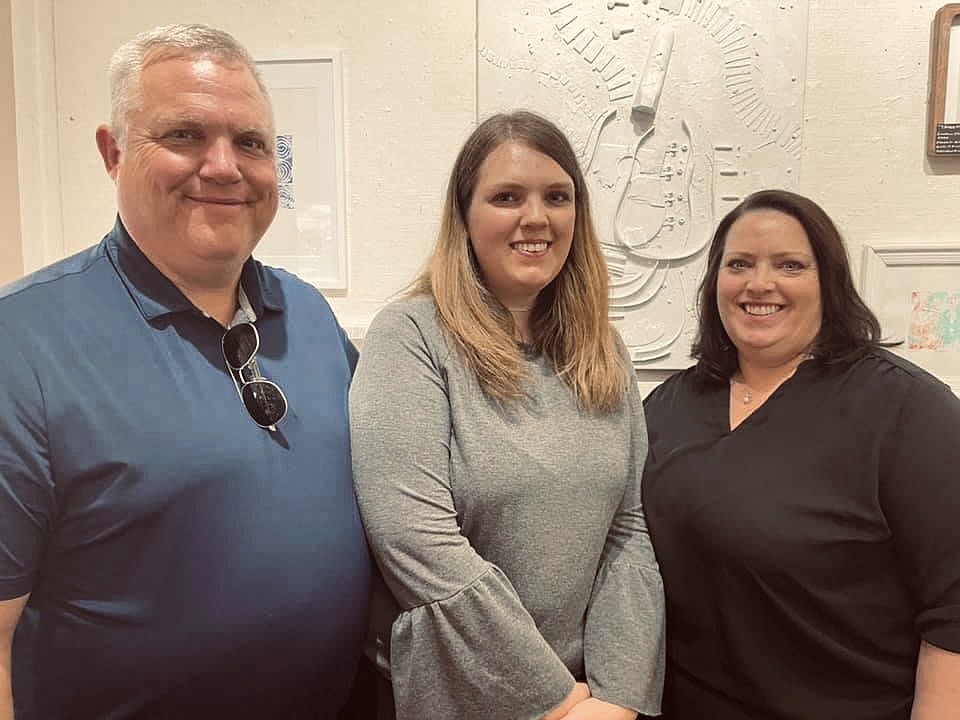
(935, 321)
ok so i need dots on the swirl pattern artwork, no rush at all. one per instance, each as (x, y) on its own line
(285, 172)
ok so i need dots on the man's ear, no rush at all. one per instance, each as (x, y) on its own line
(109, 150)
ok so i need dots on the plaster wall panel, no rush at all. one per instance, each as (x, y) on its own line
(678, 109)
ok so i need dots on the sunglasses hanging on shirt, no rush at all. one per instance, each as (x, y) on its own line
(262, 398)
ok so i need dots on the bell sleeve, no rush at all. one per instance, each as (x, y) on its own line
(624, 640)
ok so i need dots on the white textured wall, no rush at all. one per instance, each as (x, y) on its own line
(865, 133)
(409, 100)
(11, 255)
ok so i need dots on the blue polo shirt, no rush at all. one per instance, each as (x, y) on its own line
(182, 561)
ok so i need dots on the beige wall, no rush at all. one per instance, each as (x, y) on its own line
(409, 85)
(11, 255)
(408, 102)
(409, 97)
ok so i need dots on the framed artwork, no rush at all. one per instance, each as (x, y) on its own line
(308, 235)
(914, 290)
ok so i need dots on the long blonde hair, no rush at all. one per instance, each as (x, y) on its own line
(568, 321)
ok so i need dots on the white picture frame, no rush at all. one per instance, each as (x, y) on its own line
(308, 235)
(906, 286)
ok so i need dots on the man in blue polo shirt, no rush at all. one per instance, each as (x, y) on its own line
(178, 533)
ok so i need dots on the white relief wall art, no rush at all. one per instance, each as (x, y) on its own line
(678, 109)
(915, 292)
(308, 234)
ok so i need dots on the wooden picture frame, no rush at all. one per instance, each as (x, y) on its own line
(943, 110)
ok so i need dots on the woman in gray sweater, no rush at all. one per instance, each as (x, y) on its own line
(498, 443)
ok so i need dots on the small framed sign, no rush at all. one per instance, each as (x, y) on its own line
(943, 119)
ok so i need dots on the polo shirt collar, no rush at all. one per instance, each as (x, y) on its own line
(155, 295)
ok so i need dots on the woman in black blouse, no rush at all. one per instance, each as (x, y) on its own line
(803, 493)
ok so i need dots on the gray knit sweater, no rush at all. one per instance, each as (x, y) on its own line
(513, 542)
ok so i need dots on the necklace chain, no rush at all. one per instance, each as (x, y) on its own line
(746, 396)
(748, 393)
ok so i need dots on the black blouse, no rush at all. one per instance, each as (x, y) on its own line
(807, 552)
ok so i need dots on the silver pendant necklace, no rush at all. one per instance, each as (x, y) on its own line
(748, 394)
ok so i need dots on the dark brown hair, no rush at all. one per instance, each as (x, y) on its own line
(848, 329)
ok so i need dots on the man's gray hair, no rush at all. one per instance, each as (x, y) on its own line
(164, 43)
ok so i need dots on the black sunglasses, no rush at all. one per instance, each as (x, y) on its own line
(263, 399)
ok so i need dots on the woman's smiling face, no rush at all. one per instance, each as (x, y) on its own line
(768, 288)
(521, 221)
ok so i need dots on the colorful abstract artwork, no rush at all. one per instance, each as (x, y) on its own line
(934, 321)
(285, 171)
